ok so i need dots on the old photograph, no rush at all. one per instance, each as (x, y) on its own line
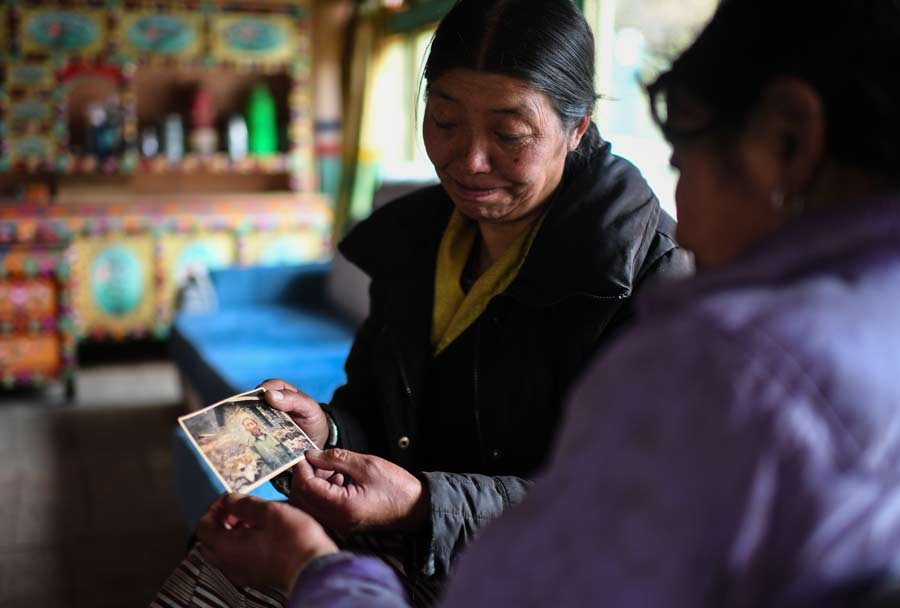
(244, 441)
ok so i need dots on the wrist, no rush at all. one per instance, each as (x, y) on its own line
(321, 434)
(420, 506)
(324, 547)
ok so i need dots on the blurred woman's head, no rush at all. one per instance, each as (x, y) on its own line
(510, 89)
(778, 108)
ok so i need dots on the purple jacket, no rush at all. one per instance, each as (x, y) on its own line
(739, 447)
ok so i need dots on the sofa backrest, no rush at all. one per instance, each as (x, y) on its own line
(347, 287)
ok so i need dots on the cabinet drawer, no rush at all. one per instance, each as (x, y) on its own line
(27, 300)
(30, 354)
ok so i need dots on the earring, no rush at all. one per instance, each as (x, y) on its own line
(776, 200)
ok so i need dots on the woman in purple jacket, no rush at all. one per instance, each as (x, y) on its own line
(753, 457)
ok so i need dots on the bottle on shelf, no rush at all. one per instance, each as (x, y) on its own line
(261, 119)
(204, 139)
(237, 138)
(149, 141)
(174, 138)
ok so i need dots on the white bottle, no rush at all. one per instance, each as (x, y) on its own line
(237, 137)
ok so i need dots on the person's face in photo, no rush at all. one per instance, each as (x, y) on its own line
(252, 427)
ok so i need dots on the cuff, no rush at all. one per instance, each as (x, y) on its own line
(333, 433)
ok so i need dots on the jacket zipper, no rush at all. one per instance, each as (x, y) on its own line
(403, 378)
(476, 402)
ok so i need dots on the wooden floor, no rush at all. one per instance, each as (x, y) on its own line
(87, 511)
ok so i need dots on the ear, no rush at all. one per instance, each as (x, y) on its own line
(578, 132)
(793, 119)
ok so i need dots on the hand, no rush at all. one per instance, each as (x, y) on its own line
(303, 409)
(377, 495)
(257, 543)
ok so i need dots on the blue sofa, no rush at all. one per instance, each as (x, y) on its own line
(265, 322)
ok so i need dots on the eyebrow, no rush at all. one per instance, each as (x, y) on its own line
(522, 110)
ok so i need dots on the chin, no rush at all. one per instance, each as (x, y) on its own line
(480, 211)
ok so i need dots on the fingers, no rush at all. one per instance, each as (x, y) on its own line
(312, 493)
(276, 384)
(340, 461)
(249, 511)
(324, 473)
(221, 513)
(304, 471)
(292, 401)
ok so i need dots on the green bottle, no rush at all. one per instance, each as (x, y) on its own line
(261, 119)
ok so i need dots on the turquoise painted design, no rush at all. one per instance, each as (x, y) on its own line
(117, 280)
(32, 146)
(329, 175)
(29, 75)
(29, 110)
(62, 30)
(197, 257)
(281, 251)
(254, 36)
(162, 34)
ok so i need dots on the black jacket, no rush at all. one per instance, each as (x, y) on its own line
(604, 235)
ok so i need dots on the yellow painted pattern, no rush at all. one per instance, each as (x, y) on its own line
(182, 254)
(129, 18)
(97, 17)
(283, 247)
(222, 24)
(114, 284)
(30, 354)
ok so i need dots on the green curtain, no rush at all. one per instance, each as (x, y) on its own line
(365, 32)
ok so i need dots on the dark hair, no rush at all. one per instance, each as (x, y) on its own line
(847, 50)
(545, 43)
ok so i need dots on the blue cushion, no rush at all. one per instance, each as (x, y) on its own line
(271, 323)
(235, 349)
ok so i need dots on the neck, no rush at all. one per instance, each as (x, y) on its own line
(839, 187)
(496, 239)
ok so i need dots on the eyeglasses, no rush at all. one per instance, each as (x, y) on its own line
(662, 108)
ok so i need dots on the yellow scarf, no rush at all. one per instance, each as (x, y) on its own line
(454, 309)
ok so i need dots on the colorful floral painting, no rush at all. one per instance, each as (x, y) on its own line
(60, 31)
(257, 39)
(170, 35)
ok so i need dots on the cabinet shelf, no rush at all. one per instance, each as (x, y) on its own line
(218, 164)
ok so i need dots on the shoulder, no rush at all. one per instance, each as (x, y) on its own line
(818, 355)
(399, 235)
(603, 227)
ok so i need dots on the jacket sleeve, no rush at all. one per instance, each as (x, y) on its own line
(461, 504)
(344, 580)
(665, 261)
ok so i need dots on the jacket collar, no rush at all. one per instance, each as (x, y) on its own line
(598, 229)
(835, 240)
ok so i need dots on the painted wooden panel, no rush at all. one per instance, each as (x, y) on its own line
(186, 254)
(29, 355)
(263, 39)
(29, 75)
(56, 30)
(31, 300)
(114, 285)
(153, 34)
(283, 247)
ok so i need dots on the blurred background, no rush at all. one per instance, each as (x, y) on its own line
(174, 177)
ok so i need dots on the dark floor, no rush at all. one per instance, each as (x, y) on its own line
(87, 510)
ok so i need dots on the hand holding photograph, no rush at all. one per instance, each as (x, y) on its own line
(244, 441)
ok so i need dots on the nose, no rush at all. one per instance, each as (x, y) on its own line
(474, 156)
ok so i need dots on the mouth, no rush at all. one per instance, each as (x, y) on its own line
(474, 192)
